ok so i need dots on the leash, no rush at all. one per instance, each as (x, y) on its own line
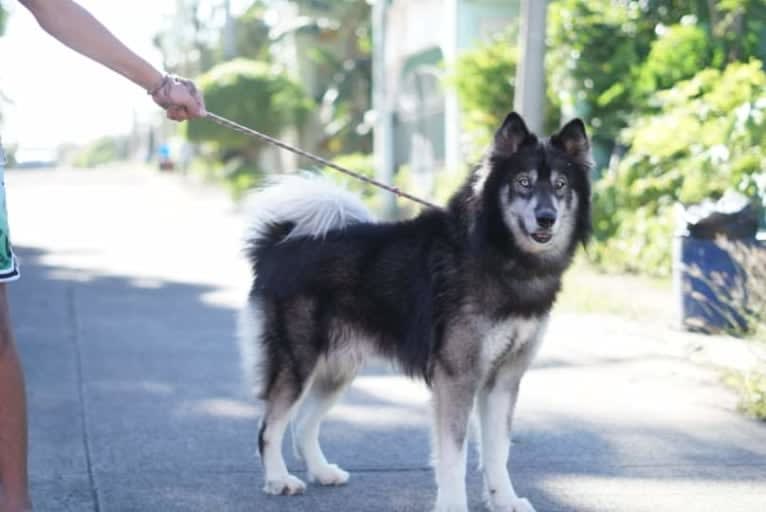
(226, 123)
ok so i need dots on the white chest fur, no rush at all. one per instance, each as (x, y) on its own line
(502, 340)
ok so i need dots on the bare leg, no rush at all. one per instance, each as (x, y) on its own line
(14, 494)
(453, 401)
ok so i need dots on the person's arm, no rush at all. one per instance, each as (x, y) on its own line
(78, 29)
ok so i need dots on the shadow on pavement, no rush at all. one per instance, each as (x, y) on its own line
(136, 401)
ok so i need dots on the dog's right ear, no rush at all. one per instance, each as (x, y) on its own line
(512, 135)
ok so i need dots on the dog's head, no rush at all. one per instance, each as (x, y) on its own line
(536, 194)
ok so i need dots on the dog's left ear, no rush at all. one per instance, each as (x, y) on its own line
(573, 140)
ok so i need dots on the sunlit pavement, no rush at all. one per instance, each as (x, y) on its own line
(125, 315)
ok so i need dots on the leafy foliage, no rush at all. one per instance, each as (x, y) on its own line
(358, 162)
(595, 50)
(484, 80)
(677, 54)
(751, 386)
(102, 151)
(252, 33)
(740, 27)
(338, 47)
(252, 93)
(3, 18)
(709, 135)
(606, 58)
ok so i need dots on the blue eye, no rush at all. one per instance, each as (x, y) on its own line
(523, 181)
(560, 183)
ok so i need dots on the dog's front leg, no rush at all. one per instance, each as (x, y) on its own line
(496, 402)
(453, 401)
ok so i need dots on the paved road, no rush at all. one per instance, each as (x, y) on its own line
(125, 317)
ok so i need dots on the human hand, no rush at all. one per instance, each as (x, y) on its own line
(180, 98)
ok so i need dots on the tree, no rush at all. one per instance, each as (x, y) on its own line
(483, 78)
(252, 31)
(600, 49)
(708, 136)
(334, 50)
(190, 44)
(337, 40)
(253, 93)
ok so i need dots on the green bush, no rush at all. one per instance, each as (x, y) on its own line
(251, 93)
(708, 136)
(596, 48)
(102, 151)
(241, 176)
(484, 81)
(679, 53)
(751, 387)
(363, 164)
(3, 18)
(605, 57)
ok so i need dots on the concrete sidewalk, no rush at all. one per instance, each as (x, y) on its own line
(125, 316)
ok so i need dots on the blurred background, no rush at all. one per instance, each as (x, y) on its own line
(673, 93)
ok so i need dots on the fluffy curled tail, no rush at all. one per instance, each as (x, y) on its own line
(291, 207)
(297, 206)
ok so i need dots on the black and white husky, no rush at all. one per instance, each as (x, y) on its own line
(458, 296)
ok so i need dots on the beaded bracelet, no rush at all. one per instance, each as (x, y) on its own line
(165, 79)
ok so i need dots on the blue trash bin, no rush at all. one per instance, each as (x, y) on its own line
(711, 287)
(709, 284)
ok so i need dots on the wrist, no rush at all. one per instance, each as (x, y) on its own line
(158, 85)
(154, 81)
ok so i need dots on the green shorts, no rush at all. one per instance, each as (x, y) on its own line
(9, 268)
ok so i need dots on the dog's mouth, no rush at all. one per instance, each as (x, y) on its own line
(542, 236)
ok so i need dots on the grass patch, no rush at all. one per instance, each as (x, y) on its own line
(751, 388)
(589, 290)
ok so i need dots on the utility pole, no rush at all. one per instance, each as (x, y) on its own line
(229, 33)
(383, 134)
(529, 99)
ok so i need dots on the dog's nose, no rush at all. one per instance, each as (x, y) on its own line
(545, 218)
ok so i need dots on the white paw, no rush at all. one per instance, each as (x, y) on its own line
(450, 507)
(514, 505)
(522, 505)
(286, 486)
(330, 474)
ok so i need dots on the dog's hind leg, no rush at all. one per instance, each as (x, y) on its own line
(327, 386)
(280, 401)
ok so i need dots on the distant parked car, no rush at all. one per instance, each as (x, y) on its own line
(35, 158)
(164, 158)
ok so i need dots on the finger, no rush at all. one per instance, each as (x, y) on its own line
(176, 113)
(193, 109)
(183, 114)
(196, 107)
(189, 104)
(201, 101)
